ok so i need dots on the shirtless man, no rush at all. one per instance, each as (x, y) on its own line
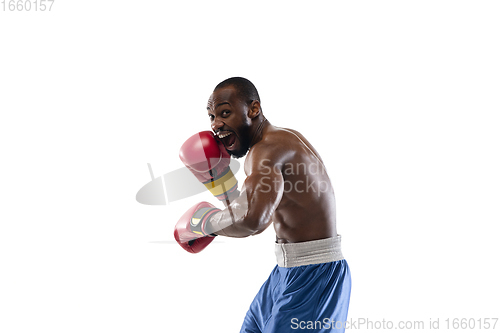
(287, 185)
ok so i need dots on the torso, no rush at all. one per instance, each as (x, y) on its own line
(307, 209)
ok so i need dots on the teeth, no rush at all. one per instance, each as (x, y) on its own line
(222, 136)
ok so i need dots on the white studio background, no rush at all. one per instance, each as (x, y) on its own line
(399, 97)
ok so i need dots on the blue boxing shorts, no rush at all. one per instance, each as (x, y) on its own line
(308, 291)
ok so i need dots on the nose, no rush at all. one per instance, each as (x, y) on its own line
(217, 125)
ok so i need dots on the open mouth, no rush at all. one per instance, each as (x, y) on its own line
(228, 139)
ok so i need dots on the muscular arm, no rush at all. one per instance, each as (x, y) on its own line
(251, 212)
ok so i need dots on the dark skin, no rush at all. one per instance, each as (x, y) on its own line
(286, 182)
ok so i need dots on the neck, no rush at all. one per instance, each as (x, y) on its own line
(257, 135)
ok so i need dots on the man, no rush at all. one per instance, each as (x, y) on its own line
(286, 185)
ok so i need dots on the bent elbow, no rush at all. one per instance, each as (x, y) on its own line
(256, 223)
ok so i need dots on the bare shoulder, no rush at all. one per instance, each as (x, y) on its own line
(283, 138)
(277, 146)
(264, 152)
(296, 135)
(292, 141)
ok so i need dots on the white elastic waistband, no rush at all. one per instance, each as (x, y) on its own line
(308, 253)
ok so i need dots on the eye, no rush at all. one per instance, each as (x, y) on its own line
(226, 113)
(211, 116)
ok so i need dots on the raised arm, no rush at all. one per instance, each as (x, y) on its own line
(248, 214)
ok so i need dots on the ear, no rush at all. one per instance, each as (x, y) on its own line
(254, 109)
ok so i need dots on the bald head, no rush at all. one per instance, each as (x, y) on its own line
(245, 89)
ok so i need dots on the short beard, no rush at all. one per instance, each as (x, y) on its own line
(240, 153)
(244, 143)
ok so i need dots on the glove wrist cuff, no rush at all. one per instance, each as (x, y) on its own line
(200, 219)
(222, 185)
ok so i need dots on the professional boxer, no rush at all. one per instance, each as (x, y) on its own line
(286, 185)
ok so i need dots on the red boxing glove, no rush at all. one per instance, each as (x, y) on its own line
(206, 157)
(190, 230)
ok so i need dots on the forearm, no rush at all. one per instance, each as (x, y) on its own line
(234, 221)
(223, 224)
(251, 212)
